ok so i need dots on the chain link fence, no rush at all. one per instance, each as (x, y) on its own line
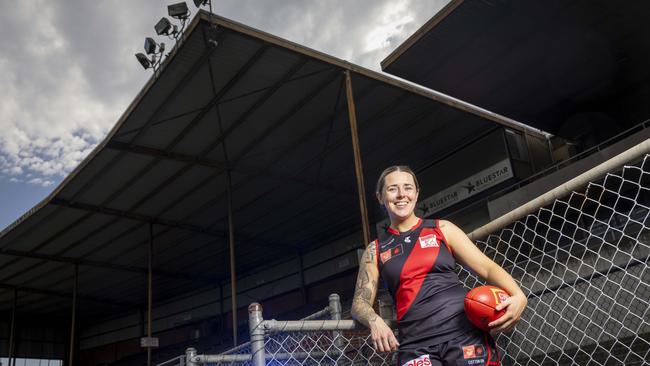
(582, 260)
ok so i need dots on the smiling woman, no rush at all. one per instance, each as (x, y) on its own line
(417, 258)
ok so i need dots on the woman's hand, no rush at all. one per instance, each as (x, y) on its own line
(383, 338)
(514, 306)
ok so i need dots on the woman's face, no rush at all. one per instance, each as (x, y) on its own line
(399, 195)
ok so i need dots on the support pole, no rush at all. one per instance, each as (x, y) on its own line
(352, 114)
(233, 274)
(301, 273)
(257, 334)
(335, 314)
(149, 289)
(74, 314)
(190, 355)
(12, 331)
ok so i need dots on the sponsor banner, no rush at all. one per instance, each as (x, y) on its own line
(467, 187)
(148, 342)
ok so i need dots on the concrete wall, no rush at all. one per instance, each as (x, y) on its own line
(512, 200)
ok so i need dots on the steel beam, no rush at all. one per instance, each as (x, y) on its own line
(67, 295)
(195, 160)
(12, 331)
(100, 264)
(358, 166)
(73, 317)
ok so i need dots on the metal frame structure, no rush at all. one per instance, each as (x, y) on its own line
(98, 227)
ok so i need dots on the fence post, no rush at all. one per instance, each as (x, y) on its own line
(257, 334)
(335, 313)
(190, 353)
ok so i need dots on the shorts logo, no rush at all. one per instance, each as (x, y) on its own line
(429, 241)
(420, 361)
(478, 351)
(469, 352)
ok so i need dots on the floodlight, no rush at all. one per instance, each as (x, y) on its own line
(178, 10)
(199, 3)
(144, 61)
(163, 26)
(149, 46)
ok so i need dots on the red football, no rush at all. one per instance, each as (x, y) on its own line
(481, 303)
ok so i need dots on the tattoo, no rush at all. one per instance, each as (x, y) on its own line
(366, 289)
(370, 253)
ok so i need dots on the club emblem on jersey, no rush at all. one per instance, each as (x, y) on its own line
(429, 241)
(423, 360)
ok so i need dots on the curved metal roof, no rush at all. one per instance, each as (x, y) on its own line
(273, 113)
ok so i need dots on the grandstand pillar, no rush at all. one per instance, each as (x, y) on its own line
(12, 331)
(73, 317)
(301, 272)
(358, 167)
(233, 274)
(149, 289)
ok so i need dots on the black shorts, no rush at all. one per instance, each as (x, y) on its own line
(469, 349)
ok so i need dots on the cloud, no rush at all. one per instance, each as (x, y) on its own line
(68, 70)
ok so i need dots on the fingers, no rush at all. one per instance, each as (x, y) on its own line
(385, 342)
(505, 303)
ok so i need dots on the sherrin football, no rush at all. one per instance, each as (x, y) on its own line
(481, 303)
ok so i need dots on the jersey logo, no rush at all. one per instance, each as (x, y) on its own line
(468, 352)
(420, 361)
(408, 239)
(429, 241)
(385, 256)
(390, 253)
(389, 242)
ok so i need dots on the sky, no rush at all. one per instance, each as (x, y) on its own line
(68, 70)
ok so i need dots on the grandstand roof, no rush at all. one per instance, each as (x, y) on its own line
(271, 112)
(556, 65)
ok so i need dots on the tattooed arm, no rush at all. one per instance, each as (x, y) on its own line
(364, 296)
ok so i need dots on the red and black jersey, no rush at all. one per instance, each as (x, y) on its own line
(419, 270)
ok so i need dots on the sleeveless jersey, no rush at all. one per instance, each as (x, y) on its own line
(418, 268)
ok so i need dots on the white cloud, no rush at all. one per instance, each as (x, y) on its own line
(68, 71)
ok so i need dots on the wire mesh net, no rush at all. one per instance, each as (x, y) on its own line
(323, 348)
(583, 262)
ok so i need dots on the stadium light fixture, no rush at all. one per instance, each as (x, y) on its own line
(150, 46)
(144, 61)
(178, 10)
(200, 3)
(154, 49)
(165, 28)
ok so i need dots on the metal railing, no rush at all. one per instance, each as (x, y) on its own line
(307, 341)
